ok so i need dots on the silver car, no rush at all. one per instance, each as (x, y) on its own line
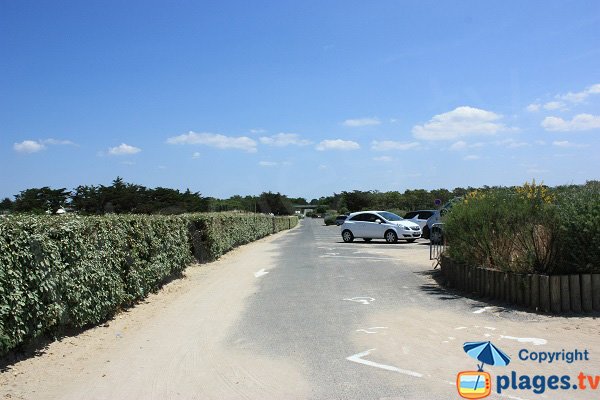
(369, 225)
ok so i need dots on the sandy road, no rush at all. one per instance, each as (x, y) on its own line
(171, 346)
(301, 315)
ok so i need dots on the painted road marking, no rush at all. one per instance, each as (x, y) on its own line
(358, 258)
(460, 327)
(260, 273)
(362, 300)
(535, 341)
(483, 309)
(372, 329)
(357, 358)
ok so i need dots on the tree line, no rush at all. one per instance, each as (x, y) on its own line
(122, 197)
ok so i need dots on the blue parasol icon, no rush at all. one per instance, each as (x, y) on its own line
(487, 353)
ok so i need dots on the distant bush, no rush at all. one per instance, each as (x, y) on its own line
(527, 229)
(329, 219)
(77, 271)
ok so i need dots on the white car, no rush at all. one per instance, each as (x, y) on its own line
(369, 225)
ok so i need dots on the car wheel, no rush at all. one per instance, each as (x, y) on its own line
(391, 237)
(425, 234)
(347, 236)
(436, 236)
(411, 240)
(367, 239)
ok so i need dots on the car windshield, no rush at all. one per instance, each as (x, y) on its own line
(390, 216)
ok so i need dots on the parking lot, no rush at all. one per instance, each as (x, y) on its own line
(301, 315)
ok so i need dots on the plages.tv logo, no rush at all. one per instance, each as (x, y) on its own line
(478, 384)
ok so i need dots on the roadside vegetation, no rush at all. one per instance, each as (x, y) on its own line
(528, 229)
(67, 272)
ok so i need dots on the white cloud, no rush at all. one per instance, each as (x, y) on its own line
(267, 163)
(540, 142)
(460, 122)
(460, 145)
(215, 140)
(536, 171)
(471, 157)
(58, 142)
(567, 144)
(284, 139)
(322, 167)
(580, 122)
(511, 143)
(196, 154)
(389, 145)
(579, 97)
(28, 146)
(123, 149)
(258, 131)
(361, 122)
(533, 107)
(383, 159)
(337, 144)
(128, 162)
(33, 146)
(554, 105)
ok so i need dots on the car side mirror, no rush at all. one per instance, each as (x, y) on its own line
(378, 221)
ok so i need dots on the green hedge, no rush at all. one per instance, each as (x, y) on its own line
(528, 229)
(69, 271)
(214, 234)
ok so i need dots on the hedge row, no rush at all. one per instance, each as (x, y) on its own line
(528, 229)
(69, 271)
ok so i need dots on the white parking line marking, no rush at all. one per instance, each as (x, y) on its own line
(358, 258)
(357, 358)
(260, 273)
(372, 329)
(362, 300)
(535, 341)
(460, 327)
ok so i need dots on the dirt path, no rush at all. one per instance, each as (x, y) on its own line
(171, 346)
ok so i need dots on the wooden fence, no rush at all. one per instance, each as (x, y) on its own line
(547, 293)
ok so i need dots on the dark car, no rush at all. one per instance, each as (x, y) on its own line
(340, 219)
(420, 217)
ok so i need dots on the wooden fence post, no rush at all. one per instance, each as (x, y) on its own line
(565, 296)
(512, 280)
(555, 294)
(545, 293)
(586, 292)
(506, 287)
(575, 289)
(596, 292)
(534, 294)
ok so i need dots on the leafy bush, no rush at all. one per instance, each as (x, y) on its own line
(528, 229)
(579, 227)
(329, 219)
(76, 271)
(512, 230)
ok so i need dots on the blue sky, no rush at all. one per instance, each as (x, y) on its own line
(305, 98)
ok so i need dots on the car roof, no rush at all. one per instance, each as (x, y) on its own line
(366, 211)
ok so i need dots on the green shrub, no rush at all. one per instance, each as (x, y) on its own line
(329, 219)
(70, 271)
(505, 229)
(578, 210)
